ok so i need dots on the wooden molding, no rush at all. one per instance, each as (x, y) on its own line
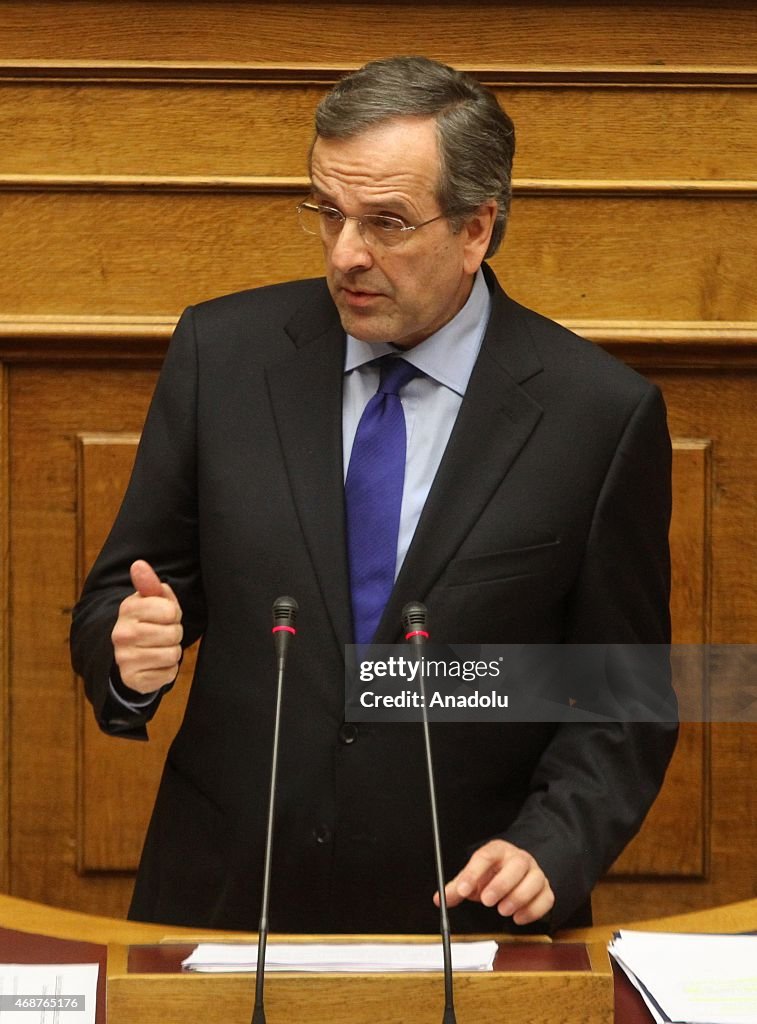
(671, 188)
(663, 344)
(625, 188)
(155, 183)
(608, 75)
(112, 339)
(668, 344)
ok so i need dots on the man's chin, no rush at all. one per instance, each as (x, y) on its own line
(365, 327)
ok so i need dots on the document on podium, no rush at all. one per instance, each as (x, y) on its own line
(217, 957)
(48, 993)
(691, 979)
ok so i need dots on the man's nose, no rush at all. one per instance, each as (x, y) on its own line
(349, 251)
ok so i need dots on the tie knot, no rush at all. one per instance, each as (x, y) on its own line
(396, 372)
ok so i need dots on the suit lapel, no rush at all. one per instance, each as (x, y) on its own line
(306, 397)
(495, 420)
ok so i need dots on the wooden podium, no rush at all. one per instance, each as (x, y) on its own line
(569, 981)
(532, 981)
(145, 983)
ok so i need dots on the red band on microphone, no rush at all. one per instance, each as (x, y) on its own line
(288, 629)
(416, 632)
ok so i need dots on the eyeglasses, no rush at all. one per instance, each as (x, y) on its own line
(376, 229)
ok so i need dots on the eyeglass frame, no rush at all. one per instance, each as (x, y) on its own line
(400, 231)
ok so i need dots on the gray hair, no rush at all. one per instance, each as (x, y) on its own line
(476, 137)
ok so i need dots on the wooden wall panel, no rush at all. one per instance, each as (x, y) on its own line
(130, 252)
(48, 408)
(117, 779)
(219, 129)
(722, 407)
(673, 841)
(350, 33)
(641, 133)
(567, 255)
(125, 252)
(210, 129)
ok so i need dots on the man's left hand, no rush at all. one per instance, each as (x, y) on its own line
(502, 875)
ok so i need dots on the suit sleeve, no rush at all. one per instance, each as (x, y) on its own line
(157, 522)
(595, 782)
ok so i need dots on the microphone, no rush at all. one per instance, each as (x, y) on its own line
(284, 619)
(414, 617)
(414, 623)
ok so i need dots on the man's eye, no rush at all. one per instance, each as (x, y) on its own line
(387, 224)
(329, 215)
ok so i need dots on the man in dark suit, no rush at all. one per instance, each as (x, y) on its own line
(534, 509)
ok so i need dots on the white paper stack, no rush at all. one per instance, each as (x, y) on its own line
(692, 979)
(371, 956)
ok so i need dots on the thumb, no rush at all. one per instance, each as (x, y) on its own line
(145, 580)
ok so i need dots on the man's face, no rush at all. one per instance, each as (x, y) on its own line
(405, 293)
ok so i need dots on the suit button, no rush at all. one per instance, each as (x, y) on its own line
(322, 834)
(348, 733)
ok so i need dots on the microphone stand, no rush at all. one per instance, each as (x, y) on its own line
(284, 618)
(414, 620)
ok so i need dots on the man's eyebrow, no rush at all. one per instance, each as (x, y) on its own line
(319, 194)
(398, 207)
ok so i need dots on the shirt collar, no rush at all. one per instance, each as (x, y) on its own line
(448, 355)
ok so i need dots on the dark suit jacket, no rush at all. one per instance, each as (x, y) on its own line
(547, 522)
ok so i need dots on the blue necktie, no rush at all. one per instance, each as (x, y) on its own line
(373, 497)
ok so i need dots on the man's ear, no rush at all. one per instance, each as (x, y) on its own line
(477, 229)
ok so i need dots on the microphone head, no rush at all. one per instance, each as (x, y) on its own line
(415, 618)
(285, 613)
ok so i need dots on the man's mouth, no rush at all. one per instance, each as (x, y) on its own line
(359, 297)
